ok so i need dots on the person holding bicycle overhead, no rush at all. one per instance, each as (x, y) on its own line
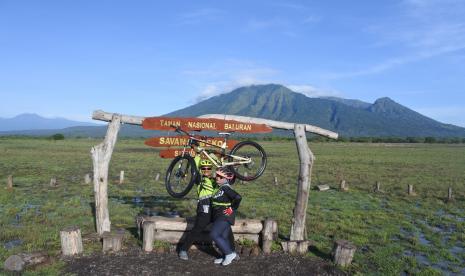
(225, 202)
(205, 190)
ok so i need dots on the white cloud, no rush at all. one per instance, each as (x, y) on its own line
(229, 74)
(312, 91)
(261, 24)
(226, 75)
(423, 28)
(221, 87)
(311, 19)
(200, 15)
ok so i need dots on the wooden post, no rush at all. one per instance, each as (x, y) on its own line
(306, 162)
(9, 182)
(410, 190)
(157, 177)
(323, 187)
(53, 182)
(302, 247)
(112, 241)
(101, 155)
(245, 174)
(121, 177)
(377, 188)
(148, 236)
(343, 252)
(343, 186)
(71, 241)
(275, 230)
(275, 180)
(174, 237)
(449, 194)
(296, 247)
(87, 178)
(267, 236)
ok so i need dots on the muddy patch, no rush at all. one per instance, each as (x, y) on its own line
(136, 262)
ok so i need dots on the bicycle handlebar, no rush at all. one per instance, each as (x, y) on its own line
(179, 130)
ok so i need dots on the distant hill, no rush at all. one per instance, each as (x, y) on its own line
(348, 117)
(29, 121)
(384, 117)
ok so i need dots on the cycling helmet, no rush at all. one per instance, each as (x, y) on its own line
(206, 163)
(225, 173)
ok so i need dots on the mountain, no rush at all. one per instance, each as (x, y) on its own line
(384, 117)
(349, 118)
(29, 121)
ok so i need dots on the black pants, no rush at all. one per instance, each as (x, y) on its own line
(201, 222)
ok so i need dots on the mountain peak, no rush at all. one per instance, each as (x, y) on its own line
(31, 121)
(384, 100)
(384, 117)
(26, 116)
(387, 105)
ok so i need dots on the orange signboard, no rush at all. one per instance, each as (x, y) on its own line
(168, 141)
(164, 123)
(172, 153)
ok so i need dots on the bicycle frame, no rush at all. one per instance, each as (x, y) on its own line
(218, 163)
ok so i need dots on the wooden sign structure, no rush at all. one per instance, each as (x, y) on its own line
(241, 124)
(179, 141)
(165, 123)
(189, 124)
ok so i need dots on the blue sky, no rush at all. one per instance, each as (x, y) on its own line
(67, 58)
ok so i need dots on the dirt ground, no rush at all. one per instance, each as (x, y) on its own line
(136, 262)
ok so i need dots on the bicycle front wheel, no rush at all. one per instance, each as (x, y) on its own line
(256, 165)
(180, 176)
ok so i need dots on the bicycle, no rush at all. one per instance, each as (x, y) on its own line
(247, 160)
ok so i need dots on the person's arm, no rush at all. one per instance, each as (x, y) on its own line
(234, 196)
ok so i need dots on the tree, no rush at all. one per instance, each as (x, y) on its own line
(430, 140)
(57, 136)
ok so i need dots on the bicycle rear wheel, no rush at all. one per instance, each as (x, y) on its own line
(253, 169)
(180, 176)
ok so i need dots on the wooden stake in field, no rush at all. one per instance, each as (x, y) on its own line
(343, 186)
(87, 178)
(112, 241)
(71, 241)
(149, 235)
(9, 183)
(267, 236)
(410, 190)
(101, 156)
(449, 195)
(53, 182)
(377, 187)
(121, 177)
(343, 252)
(306, 158)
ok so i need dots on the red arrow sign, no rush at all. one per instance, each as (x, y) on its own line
(164, 123)
(167, 141)
(172, 153)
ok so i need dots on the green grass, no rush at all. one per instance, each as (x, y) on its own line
(393, 232)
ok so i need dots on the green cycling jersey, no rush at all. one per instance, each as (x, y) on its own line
(207, 185)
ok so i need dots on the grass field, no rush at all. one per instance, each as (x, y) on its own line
(394, 232)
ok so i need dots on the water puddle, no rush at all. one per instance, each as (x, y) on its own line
(447, 267)
(12, 244)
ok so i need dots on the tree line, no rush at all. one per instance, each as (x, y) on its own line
(428, 140)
